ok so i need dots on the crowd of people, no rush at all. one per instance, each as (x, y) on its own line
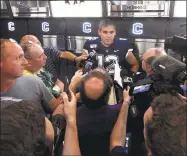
(39, 119)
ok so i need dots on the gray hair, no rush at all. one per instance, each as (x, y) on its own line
(26, 46)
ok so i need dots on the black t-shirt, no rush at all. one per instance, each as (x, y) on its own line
(118, 151)
(94, 129)
(108, 55)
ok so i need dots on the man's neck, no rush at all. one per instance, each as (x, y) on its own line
(32, 71)
(6, 83)
(106, 45)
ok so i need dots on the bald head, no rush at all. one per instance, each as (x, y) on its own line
(96, 83)
(27, 38)
(149, 56)
(12, 59)
(94, 88)
(154, 52)
(7, 47)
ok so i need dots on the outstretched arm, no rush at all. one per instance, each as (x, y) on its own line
(71, 143)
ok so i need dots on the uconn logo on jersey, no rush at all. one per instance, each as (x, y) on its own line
(93, 46)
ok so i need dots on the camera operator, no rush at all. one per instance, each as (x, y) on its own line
(164, 126)
(141, 103)
(148, 57)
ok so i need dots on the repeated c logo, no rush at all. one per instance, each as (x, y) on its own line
(137, 29)
(86, 27)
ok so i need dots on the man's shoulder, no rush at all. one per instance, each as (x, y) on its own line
(29, 79)
(146, 80)
(109, 108)
(121, 41)
(115, 107)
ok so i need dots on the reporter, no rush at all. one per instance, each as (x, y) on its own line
(68, 128)
(71, 143)
(53, 55)
(25, 130)
(165, 126)
(75, 82)
(29, 119)
(15, 85)
(36, 61)
(118, 135)
(95, 118)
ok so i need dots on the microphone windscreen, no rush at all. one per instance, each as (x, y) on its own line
(167, 66)
(124, 73)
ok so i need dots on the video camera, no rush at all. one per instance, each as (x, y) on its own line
(169, 74)
(177, 43)
(89, 63)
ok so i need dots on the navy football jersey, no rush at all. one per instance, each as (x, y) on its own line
(108, 55)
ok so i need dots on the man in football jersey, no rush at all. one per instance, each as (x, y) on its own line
(111, 49)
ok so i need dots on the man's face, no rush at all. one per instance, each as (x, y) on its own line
(147, 117)
(107, 34)
(37, 58)
(14, 62)
(145, 66)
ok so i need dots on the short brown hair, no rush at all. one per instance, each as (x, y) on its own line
(166, 130)
(106, 23)
(3, 44)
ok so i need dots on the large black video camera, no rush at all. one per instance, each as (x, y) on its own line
(177, 43)
(169, 75)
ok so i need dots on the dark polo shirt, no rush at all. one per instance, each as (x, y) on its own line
(94, 129)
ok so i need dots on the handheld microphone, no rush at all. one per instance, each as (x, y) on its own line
(92, 56)
(126, 79)
(170, 69)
